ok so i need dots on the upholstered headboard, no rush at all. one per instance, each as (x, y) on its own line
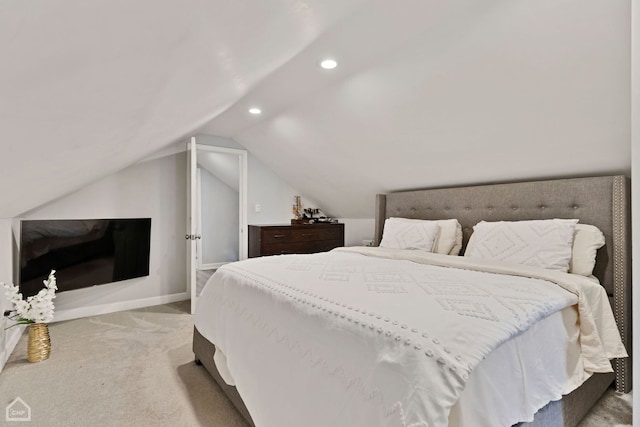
(600, 201)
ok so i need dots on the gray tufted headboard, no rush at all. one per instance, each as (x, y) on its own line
(600, 201)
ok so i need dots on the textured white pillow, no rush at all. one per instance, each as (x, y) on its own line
(449, 238)
(400, 233)
(457, 245)
(540, 243)
(586, 242)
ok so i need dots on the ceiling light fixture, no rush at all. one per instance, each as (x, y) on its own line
(328, 64)
(255, 110)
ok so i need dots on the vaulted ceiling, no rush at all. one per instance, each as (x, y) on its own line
(426, 93)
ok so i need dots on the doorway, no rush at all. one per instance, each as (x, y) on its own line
(217, 219)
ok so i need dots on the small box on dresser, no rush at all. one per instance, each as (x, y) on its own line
(294, 239)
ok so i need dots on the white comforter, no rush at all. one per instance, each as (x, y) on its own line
(343, 339)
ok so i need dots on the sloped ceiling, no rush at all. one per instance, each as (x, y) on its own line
(427, 93)
(90, 87)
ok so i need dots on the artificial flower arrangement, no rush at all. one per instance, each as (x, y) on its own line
(37, 308)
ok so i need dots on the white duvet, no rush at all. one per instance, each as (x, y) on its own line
(375, 337)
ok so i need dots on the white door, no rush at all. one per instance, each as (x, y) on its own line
(217, 211)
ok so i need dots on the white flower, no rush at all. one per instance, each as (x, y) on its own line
(37, 308)
(22, 307)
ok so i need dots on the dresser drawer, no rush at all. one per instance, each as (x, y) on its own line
(276, 235)
(311, 232)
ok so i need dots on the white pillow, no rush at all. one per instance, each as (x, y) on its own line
(586, 242)
(540, 243)
(449, 238)
(457, 244)
(400, 233)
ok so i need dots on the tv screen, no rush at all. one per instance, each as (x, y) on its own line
(84, 252)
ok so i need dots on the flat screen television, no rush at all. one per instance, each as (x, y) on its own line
(84, 252)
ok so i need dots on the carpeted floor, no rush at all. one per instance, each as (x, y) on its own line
(135, 368)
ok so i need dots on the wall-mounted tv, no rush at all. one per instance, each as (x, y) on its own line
(84, 252)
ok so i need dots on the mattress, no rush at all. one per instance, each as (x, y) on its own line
(286, 347)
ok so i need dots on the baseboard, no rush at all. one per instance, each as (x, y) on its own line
(11, 338)
(94, 310)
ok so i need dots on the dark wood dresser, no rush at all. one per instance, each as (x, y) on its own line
(294, 239)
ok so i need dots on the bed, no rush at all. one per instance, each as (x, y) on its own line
(599, 201)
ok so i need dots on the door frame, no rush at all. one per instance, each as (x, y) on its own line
(193, 226)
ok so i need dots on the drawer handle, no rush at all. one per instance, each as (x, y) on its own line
(277, 236)
(306, 234)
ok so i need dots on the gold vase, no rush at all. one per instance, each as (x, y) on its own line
(39, 345)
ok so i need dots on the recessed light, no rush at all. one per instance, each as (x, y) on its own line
(328, 64)
(255, 110)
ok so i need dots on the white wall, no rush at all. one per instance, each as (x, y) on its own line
(220, 224)
(155, 189)
(264, 187)
(8, 337)
(6, 249)
(357, 230)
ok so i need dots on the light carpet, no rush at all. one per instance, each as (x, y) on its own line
(136, 368)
